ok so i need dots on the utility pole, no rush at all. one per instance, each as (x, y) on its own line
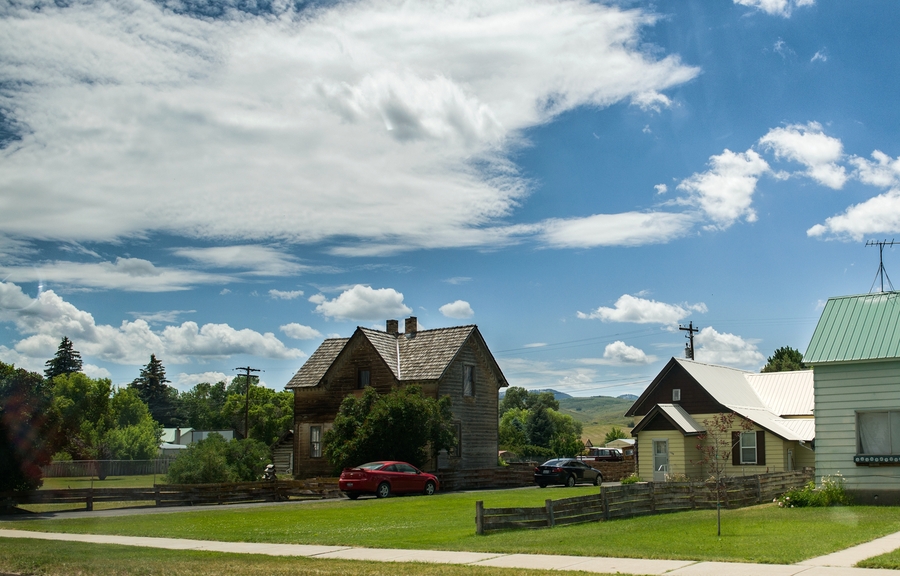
(689, 348)
(248, 370)
(881, 271)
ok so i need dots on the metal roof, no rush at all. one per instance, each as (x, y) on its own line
(853, 328)
(681, 418)
(785, 393)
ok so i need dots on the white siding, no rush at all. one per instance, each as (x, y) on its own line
(841, 390)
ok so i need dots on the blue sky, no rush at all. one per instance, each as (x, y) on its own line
(225, 184)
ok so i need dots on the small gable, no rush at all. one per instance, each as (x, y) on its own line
(675, 385)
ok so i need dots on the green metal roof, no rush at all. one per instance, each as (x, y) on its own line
(852, 328)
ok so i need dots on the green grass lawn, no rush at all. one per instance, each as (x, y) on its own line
(23, 556)
(891, 561)
(765, 533)
(144, 481)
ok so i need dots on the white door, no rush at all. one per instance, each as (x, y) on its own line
(660, 460)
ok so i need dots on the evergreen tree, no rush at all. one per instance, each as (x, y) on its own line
(66, 361)
(785, 359)
(160, 398)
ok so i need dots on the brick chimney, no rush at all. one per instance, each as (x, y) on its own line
(412, 326)
(393, 327)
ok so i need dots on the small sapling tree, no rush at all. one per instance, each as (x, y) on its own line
(716, 446)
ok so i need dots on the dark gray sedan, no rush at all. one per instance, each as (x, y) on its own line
(566, 471)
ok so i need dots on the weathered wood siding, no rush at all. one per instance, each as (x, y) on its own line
(478, 413)
(840, 391)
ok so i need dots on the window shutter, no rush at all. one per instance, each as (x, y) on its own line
(760, 447)
(735, 448)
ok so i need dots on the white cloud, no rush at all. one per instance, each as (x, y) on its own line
(47, 318)
(642, 311)
(619, 353)
(362, 303)
(883, 171)
(661, 188)
(458, 280)
(458, 309)
(626, 229)
(300, 332)
(130, 274)
(776, 7)
(95, 371)
(273, 126)
(810, 146)
(259, 260)
(713, 347)
(185, 381)
(819, 56)
(878, 215)
(535, 345)
(162, 317)
(651, 101)
(285, 295)
(725, 192)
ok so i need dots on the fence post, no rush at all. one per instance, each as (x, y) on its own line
(758, 490)
(548, 504)
(479, 517)
(605, 496)
(89, 501)
(653, 497)
(156, 493)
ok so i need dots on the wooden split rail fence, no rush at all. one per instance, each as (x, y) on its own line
(181, 494)
(640, 499)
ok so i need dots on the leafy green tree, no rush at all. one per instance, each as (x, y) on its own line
(566, 444)
(66, 361)
(203, 407)
(514, 399)
(214, 460)
(26, 428)
(161, 398)
(534, 400)
(82, 407)
(615, 433)
(785, 359)
(134, 434)
(539, 427)
(401, 425)
(513, 433)
(271, 412)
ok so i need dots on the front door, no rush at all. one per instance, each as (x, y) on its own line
(660, 460)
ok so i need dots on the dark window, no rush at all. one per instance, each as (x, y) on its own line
(363, 379)
(315, 441)
(468, 380)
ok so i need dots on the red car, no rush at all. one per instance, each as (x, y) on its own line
(383, 478)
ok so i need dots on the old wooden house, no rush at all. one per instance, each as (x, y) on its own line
(454, 362)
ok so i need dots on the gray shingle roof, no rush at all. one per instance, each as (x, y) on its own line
(314, 369)
(423, 356)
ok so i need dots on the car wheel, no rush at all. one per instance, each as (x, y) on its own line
(383, 490)
(570, 481)
(352, 495)
(430, 488)
(542, 485)
(598, 479)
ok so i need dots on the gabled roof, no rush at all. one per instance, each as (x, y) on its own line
(764, 398)
(424, 355)
(674, 414)
(855, 328)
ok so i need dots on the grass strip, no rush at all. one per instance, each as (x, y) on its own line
(762, 534)
(890, 561)
(24, 556)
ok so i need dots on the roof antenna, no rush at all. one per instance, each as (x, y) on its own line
(882, 273)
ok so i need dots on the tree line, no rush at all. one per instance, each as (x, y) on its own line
(67, 415)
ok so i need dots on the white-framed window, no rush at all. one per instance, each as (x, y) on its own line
(468, 380)
(315, 441)
(676, 394)
(363, 378)
(878, 433)
(748, 448)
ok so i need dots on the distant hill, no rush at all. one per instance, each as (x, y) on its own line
(556, 393)
(631, 397)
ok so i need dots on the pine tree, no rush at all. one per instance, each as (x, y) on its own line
(160, 398)
(66, 361)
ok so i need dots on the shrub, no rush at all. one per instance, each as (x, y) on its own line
(632, 478)
(214, 460)
(830, 493)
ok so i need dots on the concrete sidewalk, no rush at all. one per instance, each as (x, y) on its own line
(837, 564)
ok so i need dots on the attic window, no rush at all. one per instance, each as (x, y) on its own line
(676, 394)
(468, 381)
(363, 379)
